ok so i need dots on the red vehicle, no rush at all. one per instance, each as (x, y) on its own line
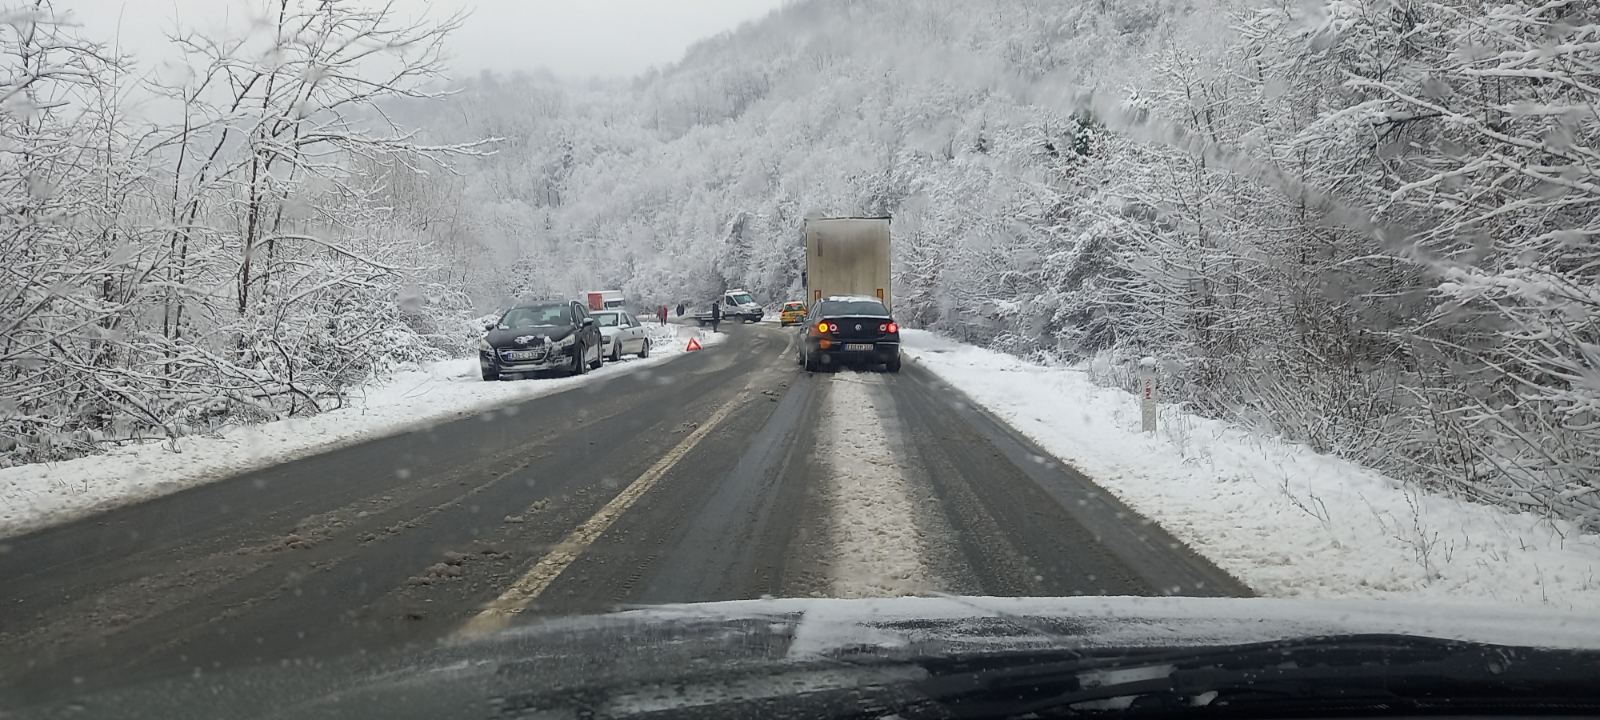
(604, 299)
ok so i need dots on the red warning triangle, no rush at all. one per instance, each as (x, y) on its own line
(694, 344)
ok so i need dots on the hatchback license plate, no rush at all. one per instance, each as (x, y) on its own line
(858, 347)
(523, 355)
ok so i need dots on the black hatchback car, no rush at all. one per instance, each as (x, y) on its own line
(556, 335)
(848, 330)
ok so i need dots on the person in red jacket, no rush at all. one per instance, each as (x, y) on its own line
(661, 315)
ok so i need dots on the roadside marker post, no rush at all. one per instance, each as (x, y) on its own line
(1147, 392)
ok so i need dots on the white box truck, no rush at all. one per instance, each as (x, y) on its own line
(848, 256)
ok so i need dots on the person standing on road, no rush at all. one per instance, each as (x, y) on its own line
(716, 315)
(661, 315)
(680, 308)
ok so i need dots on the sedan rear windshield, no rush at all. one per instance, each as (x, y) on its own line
(538, 316)
(852, 307)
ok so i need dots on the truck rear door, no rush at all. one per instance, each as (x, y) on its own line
(848, 256)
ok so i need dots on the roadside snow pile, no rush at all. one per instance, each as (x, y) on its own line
(33, 496)
(1285, 520)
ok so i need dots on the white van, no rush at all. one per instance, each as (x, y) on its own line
(737, 304)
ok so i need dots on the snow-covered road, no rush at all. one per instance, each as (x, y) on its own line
(729, 474)
(1284, 520)
(33, 496)
(877, 546)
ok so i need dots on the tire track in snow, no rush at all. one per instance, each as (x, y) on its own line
(877, 549)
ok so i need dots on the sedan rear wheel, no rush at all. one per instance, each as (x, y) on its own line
(644, 352)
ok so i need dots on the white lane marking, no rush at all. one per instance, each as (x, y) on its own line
(877, 548)
(526, 589)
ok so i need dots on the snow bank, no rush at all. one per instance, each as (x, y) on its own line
(33, 496)
(1285, 520)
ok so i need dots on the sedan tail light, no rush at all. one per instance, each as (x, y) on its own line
(890, 328)
(823, 327)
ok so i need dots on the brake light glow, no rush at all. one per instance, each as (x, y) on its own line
(890, 328)
(822, 327)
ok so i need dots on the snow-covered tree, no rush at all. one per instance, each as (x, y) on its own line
(239, 263)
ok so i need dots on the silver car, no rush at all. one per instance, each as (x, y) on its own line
(622, 333)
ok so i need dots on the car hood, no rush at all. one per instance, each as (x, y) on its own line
(508, 338)
(631, 656)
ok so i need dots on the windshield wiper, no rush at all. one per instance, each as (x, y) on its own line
(1360, 674)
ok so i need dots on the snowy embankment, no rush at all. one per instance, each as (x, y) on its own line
(1285, 520)
(33, 496)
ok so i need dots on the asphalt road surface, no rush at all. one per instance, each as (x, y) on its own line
(724, 474)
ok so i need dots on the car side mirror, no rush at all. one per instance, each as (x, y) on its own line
(588, 322)
(490, 325)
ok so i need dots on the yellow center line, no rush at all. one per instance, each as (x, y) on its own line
(526, 589)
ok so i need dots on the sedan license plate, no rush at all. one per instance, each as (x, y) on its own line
(523, 354)
(858, 347)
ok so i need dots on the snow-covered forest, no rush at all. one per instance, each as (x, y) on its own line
(206, 242)
(1367, 225)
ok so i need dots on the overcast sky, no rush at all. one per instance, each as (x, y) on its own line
(571, 37)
